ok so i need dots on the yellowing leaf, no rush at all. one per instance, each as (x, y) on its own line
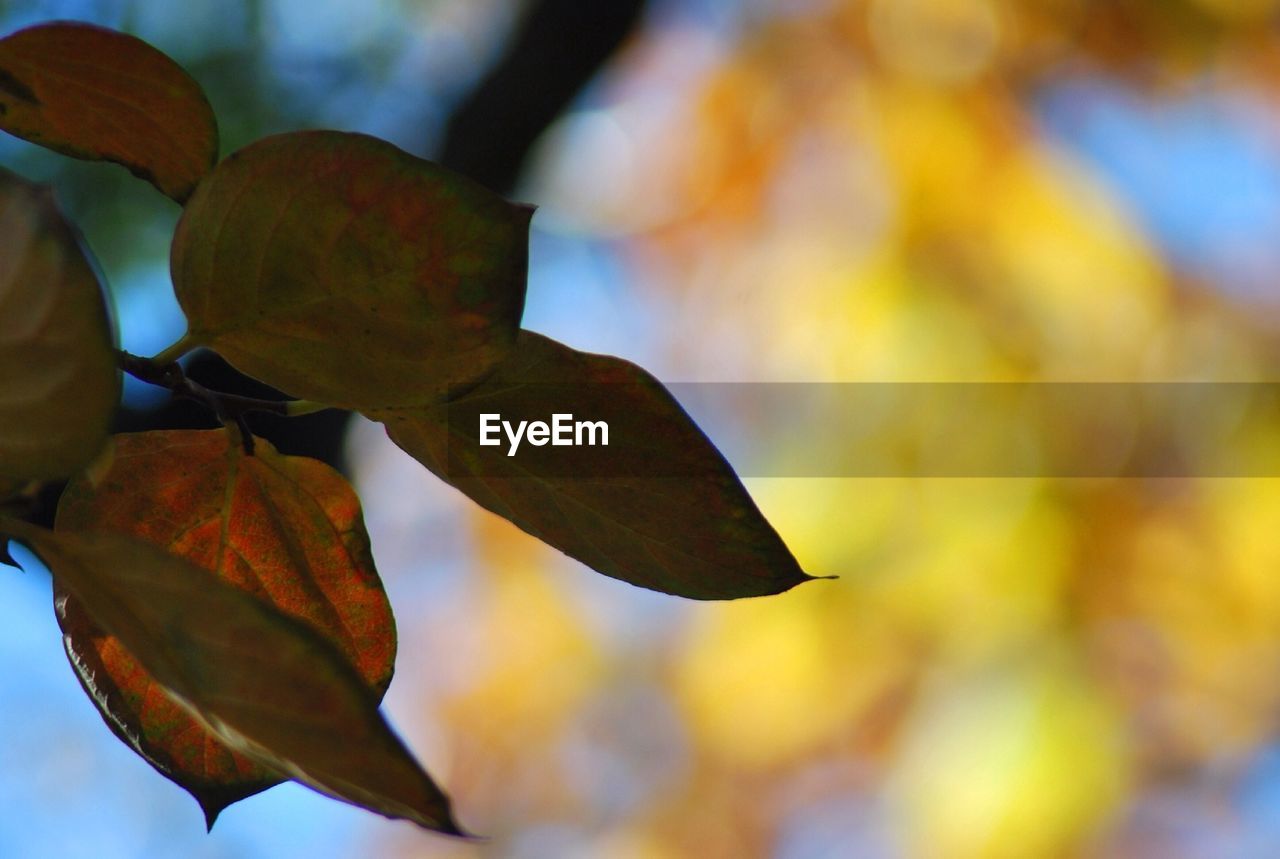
(343, 270)
(287, 529)
(266, 684)
(94, 93)
(658, 506)
(58, 381)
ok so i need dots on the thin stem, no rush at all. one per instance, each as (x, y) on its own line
(230, 408)
(149, 370)
(176, 350)
(295, 408)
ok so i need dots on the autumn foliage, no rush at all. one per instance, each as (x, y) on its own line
(219, 600)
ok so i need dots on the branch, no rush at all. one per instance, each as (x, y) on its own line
(231, 409)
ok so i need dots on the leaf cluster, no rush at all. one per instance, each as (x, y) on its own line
(219, 601)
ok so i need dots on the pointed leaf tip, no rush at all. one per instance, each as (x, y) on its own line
(657, 506)
(211, 813)
(268, 685)
(288, 529)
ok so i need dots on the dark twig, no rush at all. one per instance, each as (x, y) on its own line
(231, 409)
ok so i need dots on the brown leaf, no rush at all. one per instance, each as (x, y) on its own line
(268, 685)
(94, 93)
(343, 270)
(58, 380)
(658, 506)
(286, 529)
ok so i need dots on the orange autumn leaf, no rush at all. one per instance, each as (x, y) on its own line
(286, 529)
(265, 683)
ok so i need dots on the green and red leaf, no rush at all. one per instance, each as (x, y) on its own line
(286, 529)
(341, 269)
(95, 93)
(658, 507)
(266, 684)
(58, 380)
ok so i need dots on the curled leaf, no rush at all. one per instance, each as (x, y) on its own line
(266, 684)
(58, 381)
(658, 506)
(285, 529)
(341, 269)
(94, 93)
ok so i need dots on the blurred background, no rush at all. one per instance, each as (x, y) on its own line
(771, 190)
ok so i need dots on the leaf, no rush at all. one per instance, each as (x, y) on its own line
(285, 529)
(9, 491)
(265, 683)
(342, 270)
(658, 507)
(58, 381)
(94, 93)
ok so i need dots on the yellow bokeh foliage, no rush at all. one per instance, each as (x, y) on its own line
(1006, 665)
